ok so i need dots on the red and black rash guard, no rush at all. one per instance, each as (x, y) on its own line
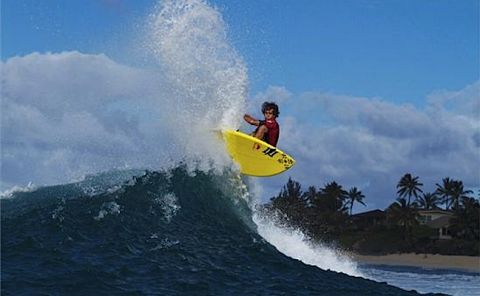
(271, 136)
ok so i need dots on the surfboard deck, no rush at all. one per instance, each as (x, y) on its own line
(255, 157)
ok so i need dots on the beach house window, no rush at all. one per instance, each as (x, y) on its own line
(445, 231)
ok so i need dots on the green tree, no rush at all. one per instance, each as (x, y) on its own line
(444, 191)
(354, 195)
(403, 214)
(333, 197)
(290, 202)
(466, 220)
(328, 212)
(310, 195)
(458, 193)
(409, 186)
(428, 201)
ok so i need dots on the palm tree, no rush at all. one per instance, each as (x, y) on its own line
(466, 220)
(403, 214)
(444, 191)
(354, 195)
(290, 201)
(428, 201)
(329, 211)
(310, 195)
(452, 191)
(333, 197)
(408, 186)
(458, 193)
(292, 189)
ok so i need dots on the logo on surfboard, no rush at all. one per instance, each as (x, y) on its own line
(270, 151)
(286, 161)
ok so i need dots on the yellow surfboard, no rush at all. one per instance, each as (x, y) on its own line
(255, 157)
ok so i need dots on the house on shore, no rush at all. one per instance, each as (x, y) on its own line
(368, 219)
(437, 219)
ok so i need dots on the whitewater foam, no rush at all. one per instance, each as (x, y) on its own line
(108, 208)
(295, 244)
(9, 193)
(169, 205)
(57, 213)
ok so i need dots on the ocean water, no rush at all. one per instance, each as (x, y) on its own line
(162, 233)
(451, 282)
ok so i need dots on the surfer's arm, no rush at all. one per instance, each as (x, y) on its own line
(251, 120)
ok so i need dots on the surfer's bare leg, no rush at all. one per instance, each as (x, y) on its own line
(261, 132)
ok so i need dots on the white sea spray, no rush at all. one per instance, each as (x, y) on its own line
(207, 76)
(108, 208)
(169, 205)
(9, 193)
(57, 213)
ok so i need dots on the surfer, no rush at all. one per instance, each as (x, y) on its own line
(267, 130)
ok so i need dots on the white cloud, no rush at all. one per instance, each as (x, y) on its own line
(464, 102)
(56, 83)
(68, 114)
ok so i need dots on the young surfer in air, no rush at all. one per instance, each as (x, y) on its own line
(267, 130)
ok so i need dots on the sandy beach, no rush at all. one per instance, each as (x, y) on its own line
(467, 263)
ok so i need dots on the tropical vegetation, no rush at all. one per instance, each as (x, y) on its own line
(326, 214)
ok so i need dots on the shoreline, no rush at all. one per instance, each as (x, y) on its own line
(462, 263)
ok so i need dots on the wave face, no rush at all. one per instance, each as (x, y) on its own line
(160, 233)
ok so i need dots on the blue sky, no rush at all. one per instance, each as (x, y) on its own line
(396, 50)
(368, 90)
(399, 50)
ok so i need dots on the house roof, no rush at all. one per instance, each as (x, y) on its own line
(370, 214)
(440, 222)
(439, 211)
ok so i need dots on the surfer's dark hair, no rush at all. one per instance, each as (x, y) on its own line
(270, 105)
